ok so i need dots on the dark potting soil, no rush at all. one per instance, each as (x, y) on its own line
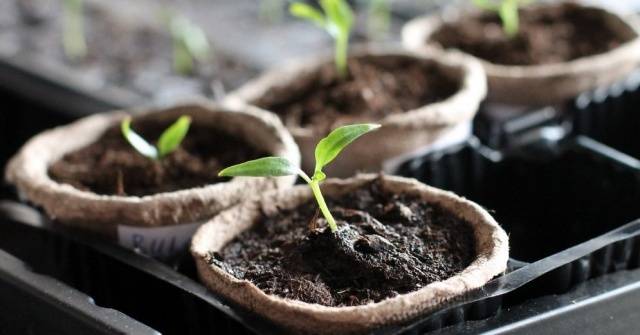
(375, 88)
(548, 34)
(132, 53)
(386, 244)
(111, 166)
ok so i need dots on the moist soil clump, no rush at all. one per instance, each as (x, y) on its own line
(386, 244)
(111, 166)
(547, 34)
(375, 87)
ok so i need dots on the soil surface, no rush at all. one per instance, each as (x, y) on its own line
(375, 88)
(111, 166)
(124, 50)
(386, 245)
(548, 34)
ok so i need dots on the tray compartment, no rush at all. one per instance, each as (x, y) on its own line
(547, 196)
(610, 115)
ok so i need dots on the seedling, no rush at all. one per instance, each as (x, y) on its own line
(271, 11)
(190, 43)
(507, 10)
(378, 18)
(337, 20)
(73, 37)
(326, 151)
(168, 142)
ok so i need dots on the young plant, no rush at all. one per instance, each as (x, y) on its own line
(378, 18)
(326, 151)
(168, 142)
(73, 38)
(271, 11)
(190, 43)
(337, 20)
(507, 10)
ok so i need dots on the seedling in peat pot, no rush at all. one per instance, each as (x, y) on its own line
(337, 20)
(326, 151)
(507, 10)
(168, 142)
(73, 38)
(190, 43)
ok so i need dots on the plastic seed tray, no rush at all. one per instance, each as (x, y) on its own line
(569, 207)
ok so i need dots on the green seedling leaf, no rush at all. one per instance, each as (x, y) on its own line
(172, 137)
(168, 142)
(136, 141)
(378, 18)
(306, 12)
(507, 10)
(73, 36)
(190, 42)
(326, 150)
(262, 167)
(271, 11)
(191, 36)
(329, 147)
(337, 20)
(486, 5)
(508, 13)
(340, 16)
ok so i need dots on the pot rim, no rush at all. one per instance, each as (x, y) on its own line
(472, 90)
(28, 169)
(417, 32)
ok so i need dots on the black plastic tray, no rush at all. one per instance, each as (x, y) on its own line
(610, 115)
(549, 196)
(168, 298)
(35, 304)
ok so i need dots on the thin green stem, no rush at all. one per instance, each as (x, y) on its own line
(342, 49)
(73, 37)
(510, 17)
(182, 62)
(315, 187)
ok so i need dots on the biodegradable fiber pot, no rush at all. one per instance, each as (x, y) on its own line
(158, 223)
(488, 261)
(546, 82)
(404, 132)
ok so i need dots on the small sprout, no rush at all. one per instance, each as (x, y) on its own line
(507, 10)
(190, 43)
(337, 20)
(73, 37)
(271, 11)
(378, 18)
(326, 151)
(169, 140)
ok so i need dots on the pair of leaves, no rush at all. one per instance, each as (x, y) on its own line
(189, 42)
(337, 18)
(168, 142)
(326, 151)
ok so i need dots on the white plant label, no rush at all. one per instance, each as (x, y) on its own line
(157, 242)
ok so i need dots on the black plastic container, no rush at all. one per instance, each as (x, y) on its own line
(35, 304)
(500, 126)
(547, 195)
(610, 115)
(582, 207)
